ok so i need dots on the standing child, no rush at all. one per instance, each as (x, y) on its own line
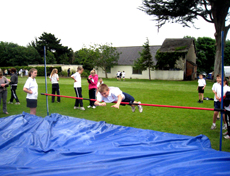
(14, 85)
(54, 78)
(92, 80)
(31, 88)
(216, 102)
(118, 75)
(200, 88)
(77, 87)
(114, 94)
(123, 75)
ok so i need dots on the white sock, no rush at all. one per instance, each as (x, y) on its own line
(213, 124)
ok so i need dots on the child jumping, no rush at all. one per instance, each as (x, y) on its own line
(112, 94)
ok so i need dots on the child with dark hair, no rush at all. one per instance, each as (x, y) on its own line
(14, 85)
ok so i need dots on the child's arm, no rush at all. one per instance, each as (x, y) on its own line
(97, 103)
(27, 91)
(118, 102)
(73, 78)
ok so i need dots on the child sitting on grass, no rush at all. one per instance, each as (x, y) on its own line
(112, 94)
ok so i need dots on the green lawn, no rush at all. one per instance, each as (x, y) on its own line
(171, 120)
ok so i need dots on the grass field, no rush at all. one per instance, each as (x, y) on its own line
(171, 120)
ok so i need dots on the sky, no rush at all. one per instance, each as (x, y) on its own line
(81, 23)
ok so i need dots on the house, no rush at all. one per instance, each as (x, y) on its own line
(187, 63)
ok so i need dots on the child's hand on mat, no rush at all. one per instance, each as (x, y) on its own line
(116, 106)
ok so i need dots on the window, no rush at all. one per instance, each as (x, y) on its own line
(136, 71)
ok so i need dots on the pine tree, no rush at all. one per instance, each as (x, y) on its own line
(145, 61)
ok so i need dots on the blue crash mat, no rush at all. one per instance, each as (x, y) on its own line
(63, 145)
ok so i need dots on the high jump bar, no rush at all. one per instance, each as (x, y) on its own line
(143, 104)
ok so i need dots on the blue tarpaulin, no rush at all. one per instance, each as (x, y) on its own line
(63, 145)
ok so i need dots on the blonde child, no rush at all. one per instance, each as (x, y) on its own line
(92, 80)
(112, 94)
(77, 87)
(54, 78)
(31, 88)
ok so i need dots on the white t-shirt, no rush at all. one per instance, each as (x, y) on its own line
(54, 78)
(32, 85)
(214, 88)
(118, 73)
(113, 93)
(225, 89)
(77, 77)
(123, 74)
(201, 82)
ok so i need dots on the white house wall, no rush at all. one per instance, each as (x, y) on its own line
(156, 74)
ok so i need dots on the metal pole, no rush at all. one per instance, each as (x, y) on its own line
(222, 86)
(47, 107)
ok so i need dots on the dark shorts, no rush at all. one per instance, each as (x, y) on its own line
(31, 103)
(216, 104)
(128, 98)
(200, 90)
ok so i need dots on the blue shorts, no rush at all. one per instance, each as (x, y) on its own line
(128, 98)
(216, 104)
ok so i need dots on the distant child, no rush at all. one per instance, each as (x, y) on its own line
(118, 75)
(31, 88)
(123, 75)
(14, 85)
(200, 88)
(112, 94)
(216, 102)
(92, 80)
(54, 78)
(77, 87)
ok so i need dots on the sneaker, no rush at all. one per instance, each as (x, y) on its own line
(198, 101)
(213, 127)
(10, 102)
(133, 108)
(227, 137)
(94, 107)
(75, 107)
(201, 101)
(225, 133)
(89, 106)
(6, 112)
(224, 127)
(140, 108)
(17, 103)
(82, 108)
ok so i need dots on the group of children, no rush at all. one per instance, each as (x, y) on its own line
(100, 93)
(216, 88)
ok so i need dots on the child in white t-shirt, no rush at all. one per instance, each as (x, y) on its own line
(200, 88)
(114, 94)
(31, 88)
(77, 87)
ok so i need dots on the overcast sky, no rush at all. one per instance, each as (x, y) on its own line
(87, 22)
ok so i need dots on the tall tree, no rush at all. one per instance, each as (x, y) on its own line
(186, 11)
(61, 53)
(145, 61)
(108, 57)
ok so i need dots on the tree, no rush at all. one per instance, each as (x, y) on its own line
(205, 49)
(108, 57)
(186, 11)
(145, 61)
(61, 53)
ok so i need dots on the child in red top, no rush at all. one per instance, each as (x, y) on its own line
(92, 80)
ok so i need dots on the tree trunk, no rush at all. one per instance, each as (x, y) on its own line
(219, 12)
(106, 74)
(149, 73)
